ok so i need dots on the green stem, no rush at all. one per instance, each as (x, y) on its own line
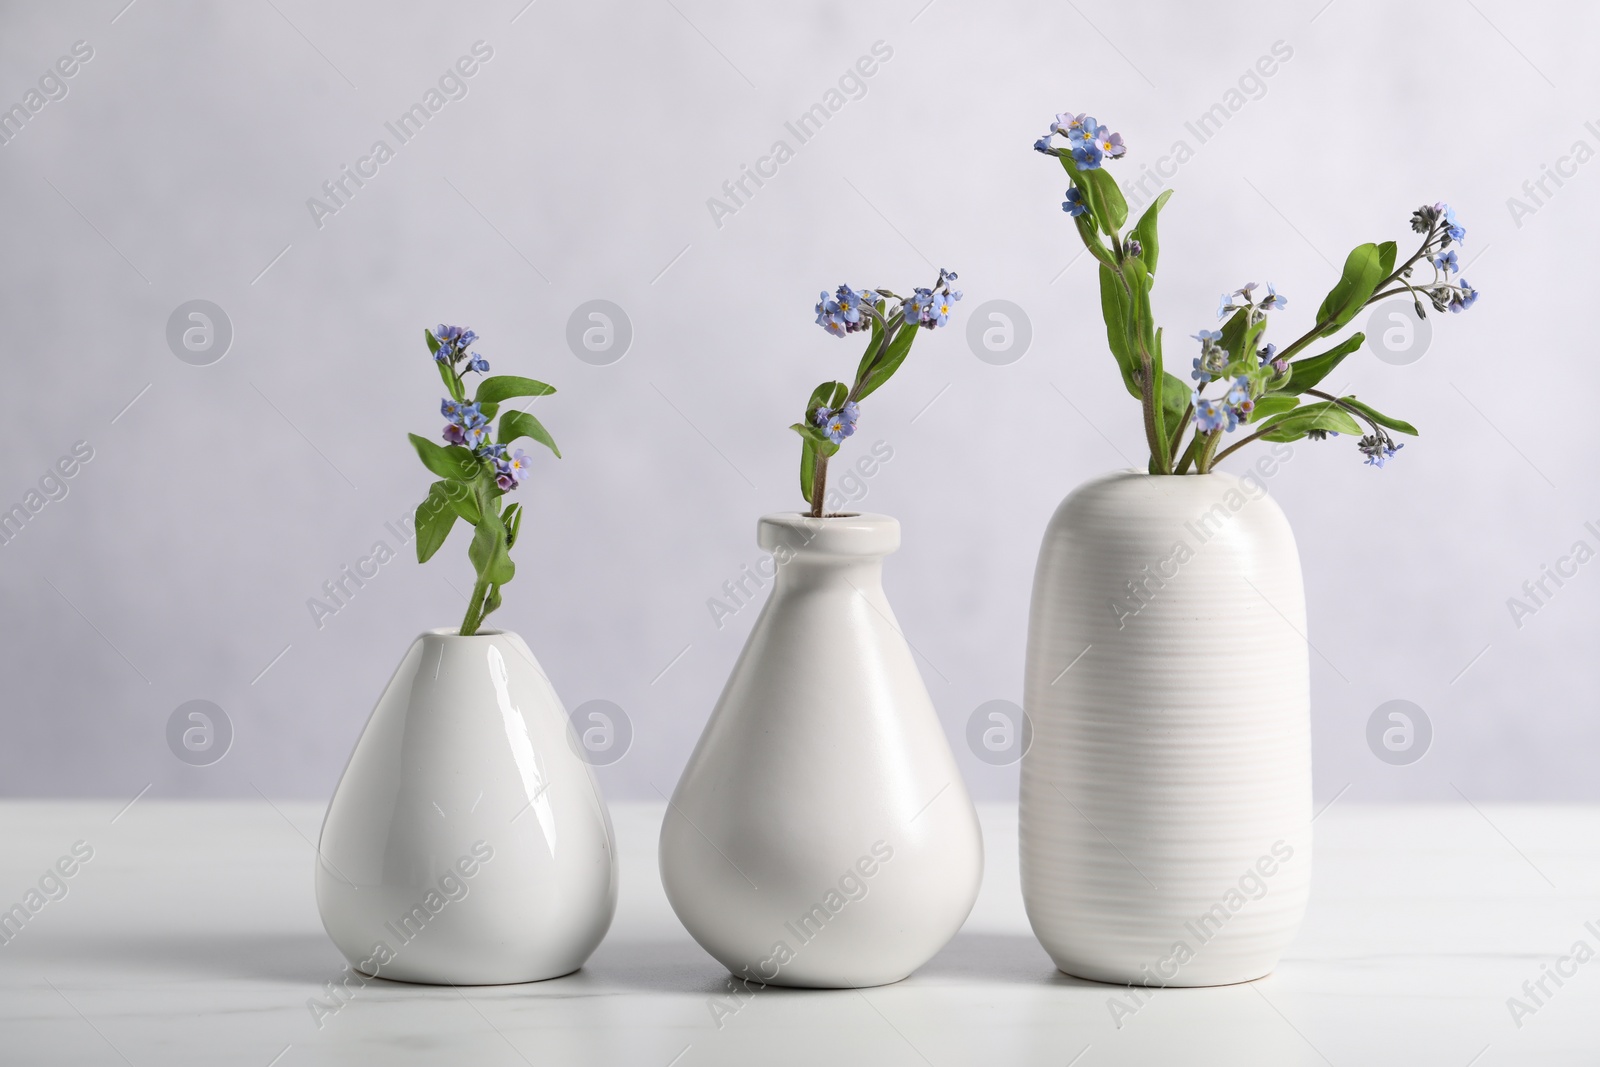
(1226, 452)
(819, 485)
(1188, 455)
(1357, 412)
(474, 618)
(1177, 436)
(1206, 459)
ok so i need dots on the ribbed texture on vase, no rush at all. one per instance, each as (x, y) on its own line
(1165, 807)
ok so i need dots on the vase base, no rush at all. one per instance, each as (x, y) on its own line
(822, 983)
(441, 980)
(1110, 976)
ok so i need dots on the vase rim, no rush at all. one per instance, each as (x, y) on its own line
(453, 632)
(859, 534)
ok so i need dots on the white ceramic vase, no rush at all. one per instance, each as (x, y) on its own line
(821, 834)
(1166, 798)
(467, 842)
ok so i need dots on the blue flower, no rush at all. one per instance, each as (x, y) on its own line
(1074, 205)
(516, 466)
(1109, 143)
(478, 363)
(1446, 261)
(1225, 306)
(1379, 448)
(841, 313)
(1272, 301)
(1452, 229)
(915, 304)
(1239, 391)
(1086, 154)
(1267, 353)
(1043, 145)
(838, 423)
(453, 341)
(1464, 298)
(1071, 126)
(931, 307)
(1209, 415)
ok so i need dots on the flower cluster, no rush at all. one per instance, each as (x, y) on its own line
(838, 423)
(1088, 142)
(1378, 447)
(453, 344)
(1272, 389)
(1224, 414)
(1244, 298)
(840, 313)
(849, 310)
(1212, 358)
(466, 426)
(1439, 222)
(930, 308)
(894, 322)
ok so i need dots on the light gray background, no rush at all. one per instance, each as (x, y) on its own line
(578, 167)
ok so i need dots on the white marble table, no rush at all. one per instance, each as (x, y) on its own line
(191, 937)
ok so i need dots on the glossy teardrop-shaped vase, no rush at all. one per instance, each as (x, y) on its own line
(467, 842)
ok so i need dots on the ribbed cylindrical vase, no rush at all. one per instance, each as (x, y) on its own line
(1166, 797)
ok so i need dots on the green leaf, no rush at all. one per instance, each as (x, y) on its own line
(1145, 231)
(515, 424)
(1142, 339)
(1138, 276)
(511, 519)
(1268, 406)
(1293, 425)
(1234, 332)
(434, 520)
(808, 468)
(458, 495)
(433, 342)
(1175, 399)
(1114, 307)
(447, 461)
(491, 601)
(817, 439)
(872, 344)
(488, 551)
(828, 395)
(1100, 192)
(505, 386)
(1306, 373)
(452, 384)
(1366, 266)
(883, 369)
(1091, 240)
(1380, 418)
